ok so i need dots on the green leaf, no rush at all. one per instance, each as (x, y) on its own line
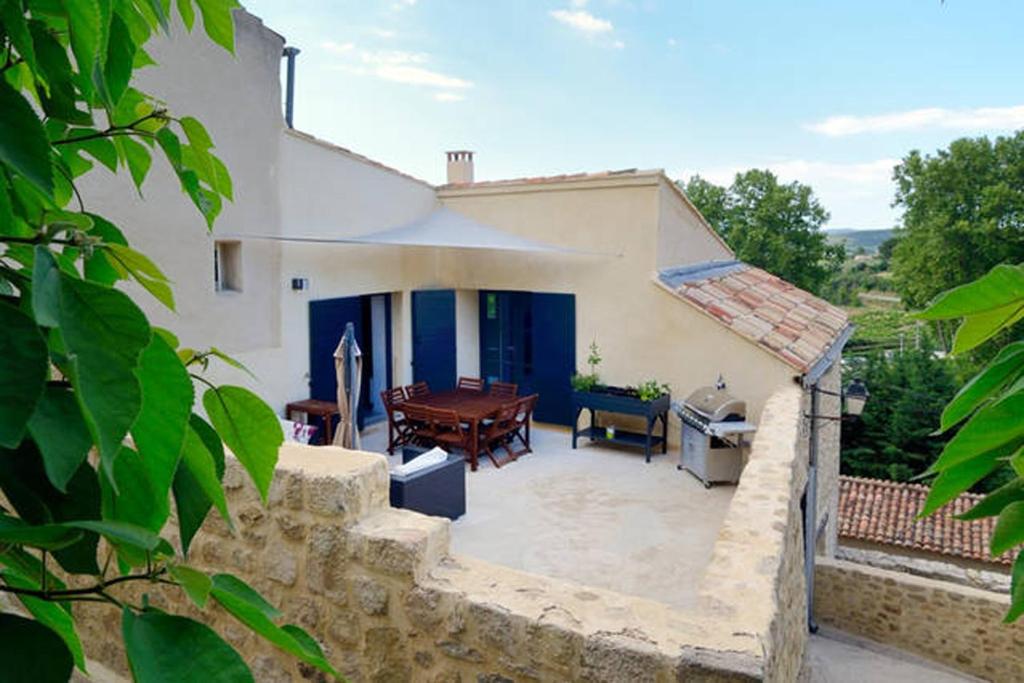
(1016, 590)
(992, 504)
(121, 533)
(167, 397)
(958, 478)
(47, 613)
(305, 641)
(171, 146)
(43, 536)
(102, 150)
(238, 365)
(23, 143)
(137, 158)
(27, 487)
(984, 386)
(32, 653)
(196, 133)
(1000, 287)
(60, 100)
(45, 288)
(24, 360)
(258, 621)
(120, 59)
(994, 426)
(98, 268)
(164, 648)
(199, 462)
(218, 22)
(145, 272)
(1009, 531)
(221, 178)
(60, 432)
(188, 14)
(13, 19)
(196, 584)
(249, 428)
(981, 327)
(189, 499)
(104, 332)
(227, 583)
(168, 336)
(141, 500)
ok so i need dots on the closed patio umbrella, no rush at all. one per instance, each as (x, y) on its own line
(348, 363)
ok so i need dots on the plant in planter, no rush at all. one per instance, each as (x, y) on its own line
(589, 381)
(651, 390)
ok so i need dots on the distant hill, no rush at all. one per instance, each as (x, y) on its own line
(870, 240)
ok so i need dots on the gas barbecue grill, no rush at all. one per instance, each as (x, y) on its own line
(714, 426)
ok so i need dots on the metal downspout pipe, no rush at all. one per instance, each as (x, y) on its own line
(810, 509)
(289, 98)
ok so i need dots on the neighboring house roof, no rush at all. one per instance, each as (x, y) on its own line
(564, 178)
(794, 325)
(886, 512)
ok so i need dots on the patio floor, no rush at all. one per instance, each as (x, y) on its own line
(596, 515)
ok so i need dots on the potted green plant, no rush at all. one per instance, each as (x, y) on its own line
(649, 399)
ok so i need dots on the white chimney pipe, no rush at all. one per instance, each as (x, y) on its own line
(460, 167)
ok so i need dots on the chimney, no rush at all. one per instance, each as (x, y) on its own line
(460, 167)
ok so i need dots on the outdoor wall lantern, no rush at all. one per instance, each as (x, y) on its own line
(854, 396)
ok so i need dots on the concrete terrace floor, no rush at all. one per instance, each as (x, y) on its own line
(596, 515)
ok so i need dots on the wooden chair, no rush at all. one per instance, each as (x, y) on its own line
(418, 390)
(421, 427)
(504, 389)
(447, 430)
(399, 430)
(523, 416)
(470, 384)
(498, 433)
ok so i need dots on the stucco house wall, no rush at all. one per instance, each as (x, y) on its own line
(238, 98)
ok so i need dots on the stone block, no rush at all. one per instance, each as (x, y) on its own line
(370, 595)
(281, 566)
(400, 542)
(326, 560)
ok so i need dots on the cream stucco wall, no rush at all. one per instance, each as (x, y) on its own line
(238, 99)
(643, 331)
(683, 235)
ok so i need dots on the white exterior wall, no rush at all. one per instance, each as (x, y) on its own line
(238, 98)
(683, 235)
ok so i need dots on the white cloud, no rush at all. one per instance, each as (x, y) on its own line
(581, 20)
(338, 48)
(672, 42)
(416, 75)
(448, 97)
(982, 118)
(856, 194)
(392, 57)
(397, 66)
(382, 32)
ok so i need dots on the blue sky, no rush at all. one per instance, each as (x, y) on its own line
(828, 93)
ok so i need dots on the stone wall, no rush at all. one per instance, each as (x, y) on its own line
(945, 622)
(756, 574)
(379, 588)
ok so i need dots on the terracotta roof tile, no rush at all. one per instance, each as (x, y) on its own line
(885, 512)
(788, 322)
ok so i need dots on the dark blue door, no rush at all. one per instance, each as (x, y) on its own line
(433, 338)
(529, 338)
(553, 355)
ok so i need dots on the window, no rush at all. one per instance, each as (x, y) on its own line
(227, 266)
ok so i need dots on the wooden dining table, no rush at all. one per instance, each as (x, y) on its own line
(472, 407)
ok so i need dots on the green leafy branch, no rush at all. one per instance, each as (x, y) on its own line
(987, 413)
(100, 429)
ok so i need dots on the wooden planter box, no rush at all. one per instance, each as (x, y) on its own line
(651, 411)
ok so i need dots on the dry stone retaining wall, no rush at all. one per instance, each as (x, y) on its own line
(379, 588)
(948, 623)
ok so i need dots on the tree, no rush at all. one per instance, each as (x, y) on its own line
(894, 438)
(963, 213)
(82, 369)
(771, 225)
(987, 414)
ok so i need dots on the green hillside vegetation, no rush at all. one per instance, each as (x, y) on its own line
(855, 240)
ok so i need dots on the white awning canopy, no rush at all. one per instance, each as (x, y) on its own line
(442, 227)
